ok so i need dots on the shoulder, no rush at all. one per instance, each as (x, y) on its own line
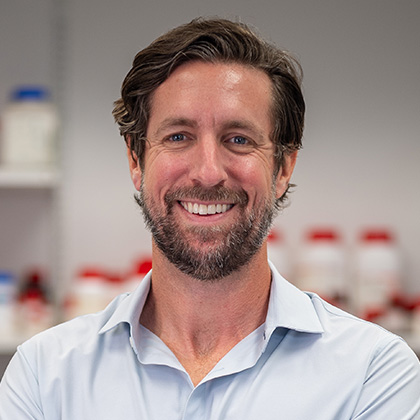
(360, 338)
(80, 333)
(339, 323)
(387, 369)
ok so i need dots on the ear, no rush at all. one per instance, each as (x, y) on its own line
(134, 166)
(285, 173)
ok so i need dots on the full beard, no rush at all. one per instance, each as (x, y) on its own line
(225, 248)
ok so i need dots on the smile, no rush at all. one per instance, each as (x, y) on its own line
(205, 209)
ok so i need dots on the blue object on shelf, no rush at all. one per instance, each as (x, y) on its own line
(30, 93)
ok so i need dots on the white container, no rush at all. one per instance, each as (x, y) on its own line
(378, 272)
(29, 129)
(136, 274)
(278, 253)
(8, 291)
(89, 293)
(34, 308)
(415, 322)
(321, 266)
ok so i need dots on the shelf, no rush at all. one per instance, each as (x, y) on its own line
(10, 342)
(11, 177)
(9, 345)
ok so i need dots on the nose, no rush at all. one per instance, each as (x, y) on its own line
(208, 163)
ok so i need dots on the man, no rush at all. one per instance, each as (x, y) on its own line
(213, 118)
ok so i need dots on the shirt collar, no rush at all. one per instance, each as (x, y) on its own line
(129, 308)
(288, 308)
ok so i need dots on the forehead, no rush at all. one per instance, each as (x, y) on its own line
(221, 90)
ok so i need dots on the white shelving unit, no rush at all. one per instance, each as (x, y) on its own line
(38, 190)
(29, 196)
(8, 345)
(14, 178)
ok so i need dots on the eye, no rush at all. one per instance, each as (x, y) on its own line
(239, 144)
(239, 140)
(177, 137)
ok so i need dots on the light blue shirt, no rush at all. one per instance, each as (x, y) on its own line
(308, 361)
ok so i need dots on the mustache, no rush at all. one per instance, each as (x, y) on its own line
(217, 193)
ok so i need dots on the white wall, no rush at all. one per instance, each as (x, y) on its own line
(359, 164)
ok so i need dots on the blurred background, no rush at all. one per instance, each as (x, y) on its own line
(75, 218)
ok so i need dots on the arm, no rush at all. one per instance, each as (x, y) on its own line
(392, 386)
(19, 392)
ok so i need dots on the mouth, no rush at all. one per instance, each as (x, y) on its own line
(205, 209)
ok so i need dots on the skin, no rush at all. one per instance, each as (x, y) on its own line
(209, 126)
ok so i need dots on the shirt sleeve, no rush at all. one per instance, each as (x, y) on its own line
(19, 392)
(392, 385)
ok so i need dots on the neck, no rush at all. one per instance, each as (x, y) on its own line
(201, 320)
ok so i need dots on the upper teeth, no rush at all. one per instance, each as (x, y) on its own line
(203, 209)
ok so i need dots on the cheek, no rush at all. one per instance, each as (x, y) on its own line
(255, 172)
(256, 179)
(162, 173)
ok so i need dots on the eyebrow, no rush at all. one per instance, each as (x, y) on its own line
(175, 122)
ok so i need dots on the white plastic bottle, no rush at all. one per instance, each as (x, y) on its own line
(137, 273)
(278, 253)
(89, 293)
(29, 129)
(35, 311)
(378, 272)
(415, 322)
(8, 292)
(321, 266)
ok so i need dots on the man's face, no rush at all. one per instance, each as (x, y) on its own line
(207, 188)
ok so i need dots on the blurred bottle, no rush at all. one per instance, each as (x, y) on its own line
(8, 293)
(378, 275)
(89, 293)
(321, 266)
(29, 128)
(35, 310)
(415, 320)
(277, 253)
(137, 273)
(114, 286)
